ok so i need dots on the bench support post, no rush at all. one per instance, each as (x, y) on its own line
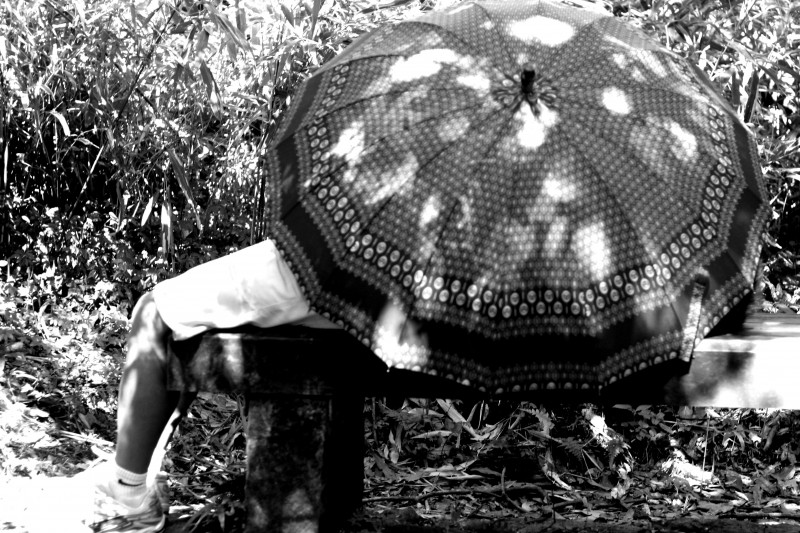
(304, 463)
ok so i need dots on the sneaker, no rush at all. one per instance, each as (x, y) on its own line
(162, 491)
(112, 516)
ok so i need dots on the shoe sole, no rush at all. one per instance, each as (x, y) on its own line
(129, 527)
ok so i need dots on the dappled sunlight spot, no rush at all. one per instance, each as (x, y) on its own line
(430, 212)
(297, 505)
(422, 64)
(532, 129)
(349, 175)
(542, 30)
(638, 75)
(650, 61)
(684, 145)
(559, 189)
(626, 63)
(621, 60)
(351, 142)
(452, 128)
(662, 142)
(590, 245)
(391, 181)
(620, 43)
(615, 100)
(475, 81)
(396, 340)
(465, 219)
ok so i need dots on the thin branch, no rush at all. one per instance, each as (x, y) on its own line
(514, 504)
(758, 516)
(494, 492)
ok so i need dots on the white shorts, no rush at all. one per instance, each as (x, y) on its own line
(251, 286)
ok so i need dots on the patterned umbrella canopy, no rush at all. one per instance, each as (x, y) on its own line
(519, 196)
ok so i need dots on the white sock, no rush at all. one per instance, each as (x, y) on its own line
(129, 488)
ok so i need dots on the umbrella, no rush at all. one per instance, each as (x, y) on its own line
(518, 196)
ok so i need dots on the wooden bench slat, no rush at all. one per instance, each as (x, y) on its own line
(757, 367)
(306, 361)
(758, 328)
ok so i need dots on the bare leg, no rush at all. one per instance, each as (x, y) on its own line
(145, 405)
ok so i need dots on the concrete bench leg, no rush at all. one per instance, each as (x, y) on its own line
(304, 463)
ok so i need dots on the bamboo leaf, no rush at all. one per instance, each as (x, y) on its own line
(752, 92)
(180, 173)
(166, 226)
(435, 434)
(233, 50)
(212, 90)
(133, 13)
(5, 165)
(241, 20)
(229, 29)
(63, 122)
(735, 88)
(314, 17)
(202, 41)
(148, 209)
(287, 13)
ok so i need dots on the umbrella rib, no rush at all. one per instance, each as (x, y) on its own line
(632, 86)
(489, 145)
(509, 55)
(584, 60)
(620, 148)
(588, 58)
(398, 91)
(388, 136)
(425, 269)
(343, 162)
(555, 59)
(475, 125)
(466, 44)
(639, 120)
(488, 148)
(590, 164)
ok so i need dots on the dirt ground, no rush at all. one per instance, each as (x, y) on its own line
(407, 521)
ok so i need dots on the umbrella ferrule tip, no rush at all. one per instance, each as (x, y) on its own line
(527, 79)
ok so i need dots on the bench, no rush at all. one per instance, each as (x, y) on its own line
(306, 398)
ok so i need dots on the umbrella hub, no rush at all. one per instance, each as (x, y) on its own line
(536, 89)
(527, 78)
(528, 86)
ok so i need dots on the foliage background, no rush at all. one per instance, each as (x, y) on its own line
(130, 135)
